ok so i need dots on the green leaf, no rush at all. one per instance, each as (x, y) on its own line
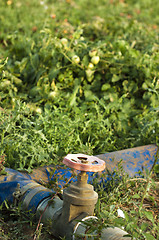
(112, 207)
(6, 204)
(115, 78)
(156, 168)
(149, 215)
(127, 216)
(23, 64)
(35, 61)
(119, 221)
(89, 96)
(53, 73)
(148, 236)
(85, 61)
(137, 196)
(144, 226)
(144, 86)
(72, 100)
(105, 87)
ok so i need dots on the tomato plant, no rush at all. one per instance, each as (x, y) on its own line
(77, 79)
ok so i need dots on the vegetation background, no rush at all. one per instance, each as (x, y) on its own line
(80, 76)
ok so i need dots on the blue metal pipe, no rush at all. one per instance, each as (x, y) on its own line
(133, 160)
(26, 188)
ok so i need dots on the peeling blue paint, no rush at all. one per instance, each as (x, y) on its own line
(133, 161)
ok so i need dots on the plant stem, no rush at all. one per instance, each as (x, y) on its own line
(148, 180)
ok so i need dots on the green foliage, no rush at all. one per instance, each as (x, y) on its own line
(40, 138)
(126, 194)
(78, 79)
(52, 134)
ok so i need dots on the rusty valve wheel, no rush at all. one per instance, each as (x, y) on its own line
(84, 162)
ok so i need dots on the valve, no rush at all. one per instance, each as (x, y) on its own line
(81, 193)
(84, 162)
(79, 198)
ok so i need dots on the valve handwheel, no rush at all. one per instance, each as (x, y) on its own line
(84, 162)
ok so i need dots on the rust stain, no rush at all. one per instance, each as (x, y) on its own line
(133, 160)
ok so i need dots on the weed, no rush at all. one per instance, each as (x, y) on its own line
(78, 79)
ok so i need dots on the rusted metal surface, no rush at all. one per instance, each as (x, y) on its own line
(41, 174)
(45, 174)
(79, 196)
(133, 160)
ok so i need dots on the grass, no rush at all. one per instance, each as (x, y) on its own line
(51, 106)
(138, 198)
